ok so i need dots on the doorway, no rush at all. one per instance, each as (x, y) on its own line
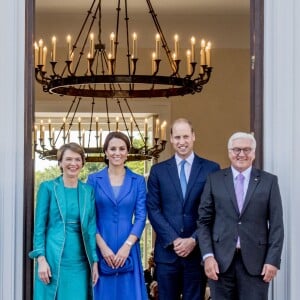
(256, 113)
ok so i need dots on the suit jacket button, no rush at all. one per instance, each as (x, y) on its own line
(181, 230)
(239, 223)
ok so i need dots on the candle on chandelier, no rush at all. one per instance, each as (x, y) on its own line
(188, 61)
(83, 138)
(41, 129)
(163, 131)
(88, 64)
(153, 62)
(131, 126)
(157, 46)
(43, 134)
(92, 45)
(44, 57)
(40, 60)
(112, 45)
(100, 134)
(117, 123)
(64, 128)
(49, 128)
(202, 53)
(156, 128)
(146, 128)
(53, 134)
(193, 42)
(79, 126)
(176, 46)
(207, 54)
(109, 56)
(69, 40)
(53, 48)
(71, 63)
(134, 45)
(97, 125)
(36, 54)
(35, 134)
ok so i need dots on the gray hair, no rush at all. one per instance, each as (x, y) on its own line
(242, 135)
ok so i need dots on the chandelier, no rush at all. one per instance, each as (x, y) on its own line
(90, 70)
(147, 136)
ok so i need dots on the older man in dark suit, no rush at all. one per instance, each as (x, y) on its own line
(241, 226)
(174, 190)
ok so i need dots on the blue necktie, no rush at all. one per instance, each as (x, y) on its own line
(183, 181)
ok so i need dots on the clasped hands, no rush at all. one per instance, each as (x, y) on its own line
(184, 246)
(116, 260)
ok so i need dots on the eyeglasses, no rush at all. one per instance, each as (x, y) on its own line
(237, 151)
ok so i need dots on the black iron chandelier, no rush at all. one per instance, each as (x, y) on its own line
(92, 70)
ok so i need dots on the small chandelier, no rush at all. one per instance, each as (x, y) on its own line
(90, 70)
(89, 130)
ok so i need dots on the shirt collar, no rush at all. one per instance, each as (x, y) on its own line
(189, 159)
(246, 173)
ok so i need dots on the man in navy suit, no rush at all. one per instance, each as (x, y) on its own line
(172, 211)
(240, 226)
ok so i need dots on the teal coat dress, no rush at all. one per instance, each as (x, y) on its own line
(50, 232)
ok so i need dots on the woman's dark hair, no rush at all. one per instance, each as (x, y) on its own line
(73, 147)
(115, 135)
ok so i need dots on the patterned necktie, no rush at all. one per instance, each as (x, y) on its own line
(183, 181)
(239, 190)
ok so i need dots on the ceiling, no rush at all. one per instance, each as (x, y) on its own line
(199, 7)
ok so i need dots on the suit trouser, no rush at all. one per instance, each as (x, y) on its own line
(237, 284)
(184, 277)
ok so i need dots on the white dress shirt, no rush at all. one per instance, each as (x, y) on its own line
(187, 166)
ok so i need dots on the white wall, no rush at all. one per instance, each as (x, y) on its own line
(11, 150)
(281, 130)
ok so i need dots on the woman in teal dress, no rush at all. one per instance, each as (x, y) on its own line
(121, 214)
(64, 244)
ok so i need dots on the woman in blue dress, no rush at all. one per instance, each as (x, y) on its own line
(64, 233)
(120, 198)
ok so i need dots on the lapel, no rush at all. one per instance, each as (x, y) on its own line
(126, 186)
(194, 175)
(60, 197)
(173, 173)
(253, 182)
(105, 185)
(228, 180)
(82, 194)
(59, 192)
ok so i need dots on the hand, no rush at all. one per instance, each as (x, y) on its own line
(153, 289)
(95, 273)
(108, 255)
(269, 272)
(121, 256)
(44, 271)
(184, 246)
(211, 268)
